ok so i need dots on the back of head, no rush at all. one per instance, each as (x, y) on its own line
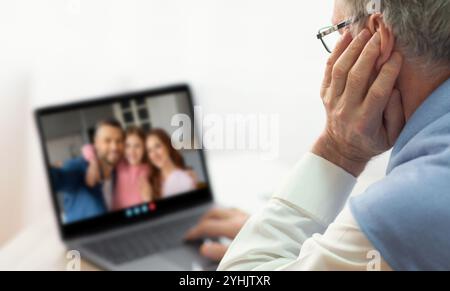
(421, 27)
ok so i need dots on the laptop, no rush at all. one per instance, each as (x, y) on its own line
(126, 178)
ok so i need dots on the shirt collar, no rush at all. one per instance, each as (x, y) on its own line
(433, 108)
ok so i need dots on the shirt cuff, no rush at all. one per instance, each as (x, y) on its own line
(318, 187)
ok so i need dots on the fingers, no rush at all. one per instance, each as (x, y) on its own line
(381, 90)
(359, 76)
(337, 52)
(216, 213)
(209, 228)
(89, 153)
(346, 62)
(394, 117)
(214, 251)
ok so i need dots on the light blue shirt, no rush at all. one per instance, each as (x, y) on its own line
(406, 216)
(80, 202)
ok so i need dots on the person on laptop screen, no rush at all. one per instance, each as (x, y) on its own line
(169, 173)
(132, 187)
(144, 177)
(80, 200)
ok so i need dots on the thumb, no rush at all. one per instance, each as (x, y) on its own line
(394, 117)
(214, 251)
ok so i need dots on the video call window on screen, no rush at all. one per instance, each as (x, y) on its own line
(115, 156)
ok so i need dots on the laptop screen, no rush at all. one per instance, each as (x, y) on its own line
(122, 159)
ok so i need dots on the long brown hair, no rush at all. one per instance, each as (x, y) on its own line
(137, 131)
(175, 157)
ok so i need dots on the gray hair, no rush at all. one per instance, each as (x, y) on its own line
(421, 27)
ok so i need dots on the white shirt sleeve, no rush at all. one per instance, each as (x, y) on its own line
(295, 231)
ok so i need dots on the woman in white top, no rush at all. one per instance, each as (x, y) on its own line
(170, 176)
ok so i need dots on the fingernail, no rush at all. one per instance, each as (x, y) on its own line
(396, 57)
(343, 36)
(205, 250)
(376, 37)
(347, 33)
(396, 93)
(365, 33)
(188, 235)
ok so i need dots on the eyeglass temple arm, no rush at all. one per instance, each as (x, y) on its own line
(334, 28)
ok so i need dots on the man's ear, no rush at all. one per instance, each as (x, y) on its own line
(376, 23)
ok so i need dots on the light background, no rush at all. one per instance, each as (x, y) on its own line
(240, 56)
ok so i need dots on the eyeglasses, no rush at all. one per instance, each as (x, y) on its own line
(330, 39)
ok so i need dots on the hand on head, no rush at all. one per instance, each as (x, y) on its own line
(364, 110)
(217, 223)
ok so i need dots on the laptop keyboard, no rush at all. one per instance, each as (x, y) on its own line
(140, 243)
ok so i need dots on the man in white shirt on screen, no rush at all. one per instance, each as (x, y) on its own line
(386, 84)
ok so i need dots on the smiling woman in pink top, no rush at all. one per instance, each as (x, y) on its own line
(132, 186)
(169, 174)
(132, 174)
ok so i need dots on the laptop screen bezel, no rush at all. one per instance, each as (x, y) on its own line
(116, 220)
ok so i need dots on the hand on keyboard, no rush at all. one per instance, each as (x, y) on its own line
(217, 223)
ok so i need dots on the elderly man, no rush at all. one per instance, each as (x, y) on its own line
(386, 85)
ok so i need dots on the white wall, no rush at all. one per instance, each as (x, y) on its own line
(61, 149)
(241, 56)
(161, 111)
